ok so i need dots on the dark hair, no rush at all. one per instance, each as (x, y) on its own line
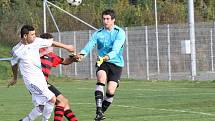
(25, 30)
(46, 36)
(109, 12)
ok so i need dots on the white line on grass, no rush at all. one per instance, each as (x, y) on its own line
(170, 89)
(169, 110)
(176, 95)
(156, 109)
(85, 88)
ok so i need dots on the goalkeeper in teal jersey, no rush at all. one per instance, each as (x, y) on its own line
(110, 40)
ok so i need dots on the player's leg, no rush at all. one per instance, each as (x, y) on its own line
(111, 88)
(99, 92)
(47, 98)
(42, 96)
(62, 107)
(114, 75)
(68, 113)
(59, 108)
(48, 108)
(35, 112)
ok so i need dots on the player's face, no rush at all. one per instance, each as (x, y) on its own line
(108, 22)
(30, 37)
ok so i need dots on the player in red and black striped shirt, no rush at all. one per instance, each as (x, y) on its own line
(48, 60)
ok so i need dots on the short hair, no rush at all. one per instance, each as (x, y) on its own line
(25, 30)
(46, 36)
(109, 12)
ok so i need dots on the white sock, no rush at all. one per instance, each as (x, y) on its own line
(33, 114)
(47, 111)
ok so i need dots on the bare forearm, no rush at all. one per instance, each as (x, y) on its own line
(15, 71)
(69, 48)
(67, 61)
(58, 44)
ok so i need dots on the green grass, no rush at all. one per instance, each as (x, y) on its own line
(134, 100)
(5, 68)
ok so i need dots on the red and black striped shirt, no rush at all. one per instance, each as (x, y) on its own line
(48, 61)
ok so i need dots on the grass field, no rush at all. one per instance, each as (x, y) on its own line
(134, 101)
(5, 68)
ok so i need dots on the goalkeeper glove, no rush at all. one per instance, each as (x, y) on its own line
(99, 61)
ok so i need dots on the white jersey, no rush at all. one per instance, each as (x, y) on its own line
(28, 59)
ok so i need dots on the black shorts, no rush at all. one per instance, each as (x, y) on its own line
(54, 90)
(113, 72)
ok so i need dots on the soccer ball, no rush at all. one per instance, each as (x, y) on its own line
(74, 2)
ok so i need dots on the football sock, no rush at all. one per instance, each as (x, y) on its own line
(107, 101)
(58, 113)
(99, 96)
(48, 108)
(35, 112)
(100, 87)
(70, 115)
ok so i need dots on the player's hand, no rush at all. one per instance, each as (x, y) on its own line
(74, 57)
(79, 57)
(11, 82)
(99, 61)
(71, 48)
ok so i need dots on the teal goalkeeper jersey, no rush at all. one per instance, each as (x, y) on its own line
(108, 43)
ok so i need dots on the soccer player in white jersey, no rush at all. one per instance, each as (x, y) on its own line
(26, 57)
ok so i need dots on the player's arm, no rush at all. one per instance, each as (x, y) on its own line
(88, 47)
(118, 44)
(56, 60)
(67, 61)
(41, 42)
(15, 72)
(72, 58)
(70, 48)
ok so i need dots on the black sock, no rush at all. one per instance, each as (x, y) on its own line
(107, 102)
(99, 100)
(70, 115)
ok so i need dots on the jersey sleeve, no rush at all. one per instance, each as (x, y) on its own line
(90, 45)
(14, 59)
(118, 44)
(56, 60)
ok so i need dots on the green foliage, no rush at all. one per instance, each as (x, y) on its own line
(5, 68)
(15, 13)
(169, 12)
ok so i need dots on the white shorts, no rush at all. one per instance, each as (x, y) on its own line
(40, 93)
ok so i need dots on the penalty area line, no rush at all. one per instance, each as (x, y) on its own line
(156, 109)
(168, 110)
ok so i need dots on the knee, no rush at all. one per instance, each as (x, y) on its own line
(110, 92)
(66, 101)
(67, 106)
(111, 89)
(62, 101)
